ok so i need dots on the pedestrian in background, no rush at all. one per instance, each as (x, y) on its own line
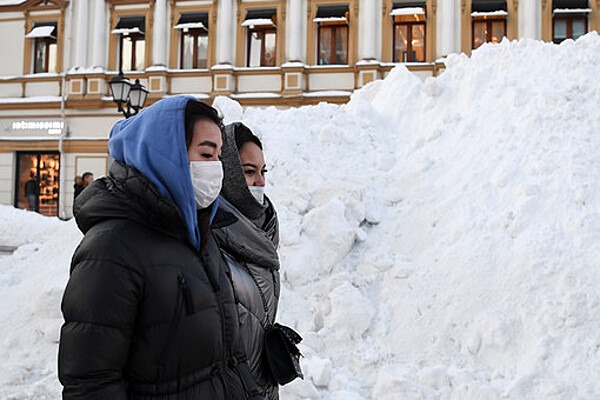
(32, 190)
(77, 186)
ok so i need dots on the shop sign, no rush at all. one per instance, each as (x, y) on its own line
(49, 127)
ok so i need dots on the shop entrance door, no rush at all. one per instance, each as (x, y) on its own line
(37, 182)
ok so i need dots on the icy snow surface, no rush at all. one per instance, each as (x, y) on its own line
(440, 239)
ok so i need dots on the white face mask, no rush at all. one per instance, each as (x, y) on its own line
(207, 179)
(258, 192)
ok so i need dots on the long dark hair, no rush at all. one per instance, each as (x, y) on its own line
(196, 111)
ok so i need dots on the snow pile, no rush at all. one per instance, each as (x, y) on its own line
(439, 239)
(32, 280)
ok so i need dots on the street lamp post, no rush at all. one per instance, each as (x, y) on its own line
(130, 98)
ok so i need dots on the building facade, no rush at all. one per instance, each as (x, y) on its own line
(56, 109)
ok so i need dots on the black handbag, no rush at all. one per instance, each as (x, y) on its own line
(280, 351)
(282, 354)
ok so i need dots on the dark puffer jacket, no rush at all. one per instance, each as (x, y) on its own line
(251, 253)
(146, 316)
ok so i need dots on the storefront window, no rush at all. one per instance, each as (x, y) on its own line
(38, 182)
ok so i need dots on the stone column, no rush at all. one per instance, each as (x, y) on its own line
(447, 31)
(81, 39)
(367, 35)
(225, 29)
(529, 18)
(159, 44)
(294, 24)
(100, 38)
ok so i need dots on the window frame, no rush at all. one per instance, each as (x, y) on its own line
(334, 27)
(138, 37)
(196, 33)
(137, 10)
(569, 18)
(48, 41)
(262, 30)
(488, 21)
(410, 25)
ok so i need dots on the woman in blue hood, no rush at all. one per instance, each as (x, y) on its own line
(149, 308)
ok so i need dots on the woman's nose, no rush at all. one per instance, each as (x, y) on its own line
(259, 181)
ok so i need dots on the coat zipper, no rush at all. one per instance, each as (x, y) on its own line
(223, 367)
(187, 295)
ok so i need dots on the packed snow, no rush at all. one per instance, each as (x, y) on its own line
(439, 238)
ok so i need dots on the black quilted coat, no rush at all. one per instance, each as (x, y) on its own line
(146, 316)
(251, 253)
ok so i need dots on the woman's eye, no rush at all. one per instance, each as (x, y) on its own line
(249, 172)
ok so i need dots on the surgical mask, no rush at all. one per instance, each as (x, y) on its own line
(207, 179)
(258, 192)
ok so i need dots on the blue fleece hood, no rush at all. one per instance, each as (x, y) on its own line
(153, 142)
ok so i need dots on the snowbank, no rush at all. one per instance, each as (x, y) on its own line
(439, 238)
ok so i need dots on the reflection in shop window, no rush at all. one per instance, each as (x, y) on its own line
(38, 182)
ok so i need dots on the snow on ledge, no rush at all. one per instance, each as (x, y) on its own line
(200, 96)
(11, 2)
(262, 95)
(499, 13)
(408, 11)
(36, 99)
(293, 64)
(327, 93)
(572, 11)
(190, 25)
(330, 19)
(41, 32)
(258, 22)
(126, 31)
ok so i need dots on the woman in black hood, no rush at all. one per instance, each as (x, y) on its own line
(247, 230)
